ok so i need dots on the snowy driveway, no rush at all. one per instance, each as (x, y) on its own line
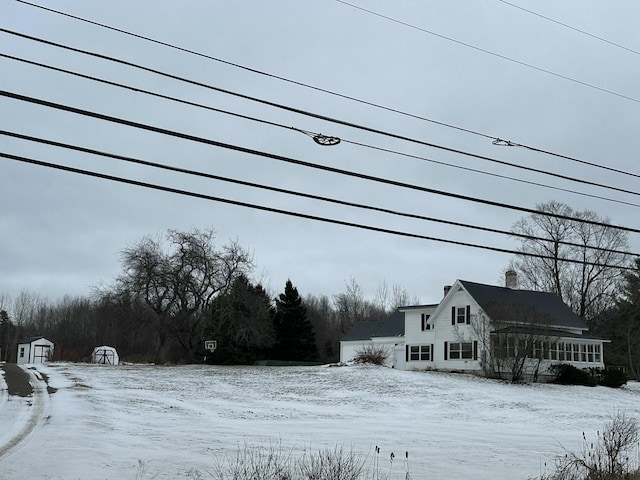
(24, 409)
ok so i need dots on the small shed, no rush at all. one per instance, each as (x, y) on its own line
(105, 355)
(35, 350)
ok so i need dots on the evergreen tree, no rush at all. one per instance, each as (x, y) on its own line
(622, 325)
(295, 338)
(241, 322)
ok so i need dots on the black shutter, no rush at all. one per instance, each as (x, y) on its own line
(468, 314)
(406, 353)
(445, 350)
(475, 350)
(453, 315)
(433, 352)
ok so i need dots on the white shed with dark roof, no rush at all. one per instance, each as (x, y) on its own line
(35, 350)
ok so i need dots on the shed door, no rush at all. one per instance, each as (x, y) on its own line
(41, 353)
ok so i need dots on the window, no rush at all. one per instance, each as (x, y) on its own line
(583, 353)
(424, 321)
(461, 315)
(596, 353)
(460, 350)
(567, 352)
(590, 353)
(21, 352)
(419, 353)
(511, 347)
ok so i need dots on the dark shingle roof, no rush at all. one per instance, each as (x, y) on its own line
(361, 331)
(545, 304)
(393, 326)
(31, 339)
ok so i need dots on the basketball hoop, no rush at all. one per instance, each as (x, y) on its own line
(210, 345)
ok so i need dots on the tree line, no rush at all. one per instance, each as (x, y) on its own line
(179, 289)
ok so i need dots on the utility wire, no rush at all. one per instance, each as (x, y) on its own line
(497, 140)
(496, 175)
(293, 214)
(161, 166)
(275, 124)
(272, 156)
(489, 52)
(571, 27)
(316, 115)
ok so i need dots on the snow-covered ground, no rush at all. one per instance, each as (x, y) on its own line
(102, 420)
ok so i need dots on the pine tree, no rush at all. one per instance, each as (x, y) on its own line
(295, 338)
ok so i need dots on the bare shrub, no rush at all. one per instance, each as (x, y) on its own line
(373, 354)
(328, 464)
(608, 458)
(256, 463)
(276, 463)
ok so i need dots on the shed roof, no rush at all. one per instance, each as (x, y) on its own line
(548, 304)
(34, 339)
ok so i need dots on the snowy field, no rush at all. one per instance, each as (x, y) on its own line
(102, 420)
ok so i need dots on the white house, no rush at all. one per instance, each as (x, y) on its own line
(35, 350)
(492, 330)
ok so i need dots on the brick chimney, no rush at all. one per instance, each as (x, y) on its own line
(446, 289)
(511, 279)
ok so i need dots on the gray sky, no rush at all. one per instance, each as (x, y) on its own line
(61, 233)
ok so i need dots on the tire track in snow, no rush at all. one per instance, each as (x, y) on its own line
(31, 421)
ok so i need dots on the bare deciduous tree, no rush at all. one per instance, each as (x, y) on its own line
(178, 281)
(514, 339)
(389, 299)
(588, 285)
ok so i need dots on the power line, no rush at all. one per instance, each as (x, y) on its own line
(571, 27)
(312, 134)
(272, 156)
(496, 140)
(319, 116)
(295, 193)
(489, 52)
(496, 175)
(290, 213)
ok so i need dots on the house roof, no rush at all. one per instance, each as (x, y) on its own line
(418, 307)
(393, 326)
(545, 304)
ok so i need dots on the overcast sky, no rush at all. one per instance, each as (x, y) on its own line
(480, 65)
